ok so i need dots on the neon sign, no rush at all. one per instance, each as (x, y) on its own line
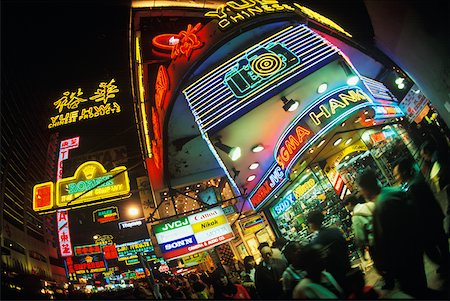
(106, 215)
(234, 12)
(237, 11)
(241, 83)
(322, 116)
(131, 224)
(161, 86)
(64, 148)
(71, 101)
(188, 41)
(65, 243)
(259, 66)
(87, 174)
(87, 250)
(43, 196)
(129, 250)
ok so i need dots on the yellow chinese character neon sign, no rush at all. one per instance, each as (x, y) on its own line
(71, 101)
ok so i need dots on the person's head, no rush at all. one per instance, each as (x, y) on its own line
(426, 150)
(312, 260)
(351, 200)
(291, 251)
(356, 280)
(193, 277)
(368, 184)
(279, 243)
(403, 171)
(266, 252)
(249, 263)
(315, 219)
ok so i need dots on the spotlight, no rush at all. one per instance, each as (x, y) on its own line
(399, 80)
(251, 178)
(348, 141)
(321, 142)
(253, 166)
(258, 148)
(289, 105)
(322, 88)
(336, 143)
(233, 152)
(352, 78)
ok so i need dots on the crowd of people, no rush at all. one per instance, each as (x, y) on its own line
(396, 225)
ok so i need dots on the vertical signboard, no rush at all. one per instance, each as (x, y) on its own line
(66, 145)
(193, 233)
(65, 244)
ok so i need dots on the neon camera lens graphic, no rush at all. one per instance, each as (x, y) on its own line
(260, 65)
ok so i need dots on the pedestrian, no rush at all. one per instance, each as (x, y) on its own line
(396, 254)
(294, 272)
(427, 209)
(277, 246)
(437, 172)
(225, 289)
(248, 276)
(337, 261)
(199, 288)
(362, 214)
(268, 274)
(317, 283)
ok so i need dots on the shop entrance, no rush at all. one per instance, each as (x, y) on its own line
(328, 173)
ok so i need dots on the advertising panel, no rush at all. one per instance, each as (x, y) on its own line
(65, 243)
(114, 183)
(105, 215)
(131, 224)
(193, 233)
(86, 264)
(252, 224)
(128, 251)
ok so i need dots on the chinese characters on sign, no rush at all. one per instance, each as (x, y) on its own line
(188, 41)
(65, 244)
(64, 148)
(68, 105)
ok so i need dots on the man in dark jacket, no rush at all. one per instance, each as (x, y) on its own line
(397, 255)
(268, 274)
(428, 211)
(337, 261)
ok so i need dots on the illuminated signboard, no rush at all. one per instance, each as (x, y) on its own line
(87, 250)
(290, 199)
(110, 251)
(193, 233)
(252, 224)
(131, 224)
(243, 82)
(187, 42)
(65, 244)
(106, 215)
(64, 148)
(383, 111)
(104, 239)
(129, 250)
(194, 259)
(114, 183)
(86, 264)
(234, 12)
(43, 196)
(67, 105)
(322, 116)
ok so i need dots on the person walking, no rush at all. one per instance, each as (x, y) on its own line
(362, 214)
(248, 276)
(225, 289)
(396, 255)
(268, 274)
(317, 283)
(428, 210)
(294, 272)
(337, 261)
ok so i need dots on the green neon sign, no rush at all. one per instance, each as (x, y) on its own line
(81, 186)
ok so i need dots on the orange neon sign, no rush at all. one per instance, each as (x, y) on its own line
(188, 41)
(291, 145)
(161, 86)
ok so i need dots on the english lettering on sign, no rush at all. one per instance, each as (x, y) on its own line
(173, 245)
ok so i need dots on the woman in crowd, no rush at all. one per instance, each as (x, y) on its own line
(225, 289)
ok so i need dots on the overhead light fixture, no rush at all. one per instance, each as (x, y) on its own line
(343, 124)
(352, 78)
(233, 152)
(321, 142)
(322, 88)
(399, 80)
(401, 86)
(289, 104)
(348, 141)
(258, 148)
(311, 151)
(336, 143)
(253, 166)
(251, 178)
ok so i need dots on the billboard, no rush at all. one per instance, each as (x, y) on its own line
(193, 233)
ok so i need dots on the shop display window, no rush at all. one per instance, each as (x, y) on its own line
(242, 250)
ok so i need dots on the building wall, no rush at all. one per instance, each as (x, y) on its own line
(23, 154)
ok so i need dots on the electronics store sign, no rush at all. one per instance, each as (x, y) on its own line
(193, 233)
(128, 251)
(308, 127)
